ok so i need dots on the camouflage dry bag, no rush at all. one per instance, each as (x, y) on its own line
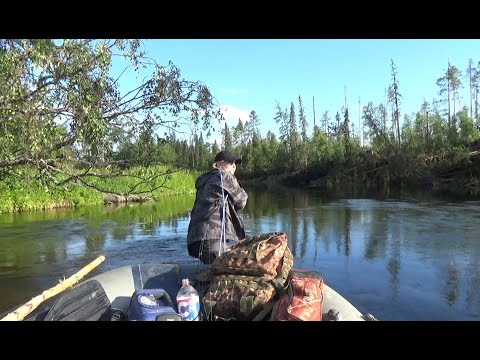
(247, 279)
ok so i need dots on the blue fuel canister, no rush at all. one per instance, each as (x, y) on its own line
(152, 305)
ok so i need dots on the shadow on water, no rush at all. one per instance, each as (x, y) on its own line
(400, 256)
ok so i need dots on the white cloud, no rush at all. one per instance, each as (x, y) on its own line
(232, 114)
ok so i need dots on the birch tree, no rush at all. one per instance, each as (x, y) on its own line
(63, 111)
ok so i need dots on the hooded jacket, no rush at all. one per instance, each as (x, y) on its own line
(206, 216)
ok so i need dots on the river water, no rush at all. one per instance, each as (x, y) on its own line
(402, 257)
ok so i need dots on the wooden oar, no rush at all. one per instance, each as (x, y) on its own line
(27, 308)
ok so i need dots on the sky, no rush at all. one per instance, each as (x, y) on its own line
(252, 74)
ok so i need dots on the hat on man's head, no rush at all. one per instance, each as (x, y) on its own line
(227, 156)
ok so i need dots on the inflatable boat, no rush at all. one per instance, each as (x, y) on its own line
(147, 292)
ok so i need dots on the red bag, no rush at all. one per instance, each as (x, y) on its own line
(303, 300)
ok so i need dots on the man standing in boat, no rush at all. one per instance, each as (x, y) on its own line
(214, 222)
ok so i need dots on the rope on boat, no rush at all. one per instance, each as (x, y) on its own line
(223, 242)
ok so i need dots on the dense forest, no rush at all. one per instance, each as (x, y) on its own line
(70, 135)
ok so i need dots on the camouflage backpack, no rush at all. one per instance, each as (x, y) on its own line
(248, 279)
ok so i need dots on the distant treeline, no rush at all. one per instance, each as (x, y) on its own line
(68, 135)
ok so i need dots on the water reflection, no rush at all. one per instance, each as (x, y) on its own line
(452, 283)
(393, 249)
(95, 243)
(473, 283)
(393, 264)
(415, 259)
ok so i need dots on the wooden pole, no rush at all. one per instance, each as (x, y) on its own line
(27, 308)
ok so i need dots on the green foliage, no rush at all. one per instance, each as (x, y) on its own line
(320, 149)
(414, 135)
(62, 108)
(439, 132)
(453, 157)
(68, 133)
(468, 131)
(21, 195)
(160, 181)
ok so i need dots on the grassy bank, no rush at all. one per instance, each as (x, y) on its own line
(29, 195)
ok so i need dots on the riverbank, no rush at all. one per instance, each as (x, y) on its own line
(20, 195)
(454, 171)
(454, 185)
(118, 199)
(397, 174)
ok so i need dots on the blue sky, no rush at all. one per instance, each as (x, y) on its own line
(252, 74)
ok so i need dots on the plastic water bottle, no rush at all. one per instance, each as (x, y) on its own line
(188, 302)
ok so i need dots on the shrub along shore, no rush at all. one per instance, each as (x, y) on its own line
(30, 195)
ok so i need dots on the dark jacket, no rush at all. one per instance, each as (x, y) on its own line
(206, 216)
